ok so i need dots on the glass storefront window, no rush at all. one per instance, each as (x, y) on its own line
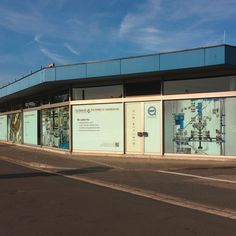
(4, 107)
(15, 127)
(142, 88)
(55, 127)
(32, 103)
(230, 126)
(45, 100)
(3, 128)
(60, 97)
(98, 127)
(114, 91)
(30, 130)
(77, 94)
(57, 97)
(143, 128)
(201, 85)
(15, 105)
(200, 126)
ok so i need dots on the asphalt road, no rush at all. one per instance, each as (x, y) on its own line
(57, 195)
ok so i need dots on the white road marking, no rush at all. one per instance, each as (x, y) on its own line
(222, 212)
(196, 176)
(46, 166)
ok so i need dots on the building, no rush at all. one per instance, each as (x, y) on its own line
(180, 103)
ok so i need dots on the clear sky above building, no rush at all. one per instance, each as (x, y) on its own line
(34, 33)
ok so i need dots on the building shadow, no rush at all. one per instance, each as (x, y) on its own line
(87, 170)
(25, 175)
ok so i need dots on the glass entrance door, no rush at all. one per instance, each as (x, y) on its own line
(143, 127)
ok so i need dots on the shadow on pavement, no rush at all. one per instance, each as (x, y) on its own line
(87, 170)
(25, 175)
(7, 145)
(210, 168)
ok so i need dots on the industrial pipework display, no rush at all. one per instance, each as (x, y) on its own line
(199, 126)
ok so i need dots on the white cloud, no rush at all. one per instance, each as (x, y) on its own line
(20, 22)
(32, 19)
(158, 25)
(142, 18)
(37, 38)
(203, 9)
(54, 57)
(71, 49)
(140, 27)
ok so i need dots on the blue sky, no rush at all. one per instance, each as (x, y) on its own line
(34, 33)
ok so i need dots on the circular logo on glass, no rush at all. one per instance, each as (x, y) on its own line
(152, 111)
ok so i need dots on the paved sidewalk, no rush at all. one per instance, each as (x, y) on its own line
(47, 159)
